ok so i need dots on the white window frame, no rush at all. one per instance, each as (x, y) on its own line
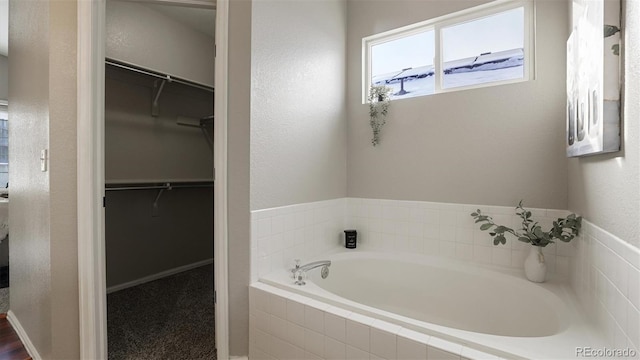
(459, 17)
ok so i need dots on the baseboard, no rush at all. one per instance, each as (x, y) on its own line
(28, 345)
(239, 358)
(157, 276)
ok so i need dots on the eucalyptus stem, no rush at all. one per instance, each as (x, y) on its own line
(563, 229)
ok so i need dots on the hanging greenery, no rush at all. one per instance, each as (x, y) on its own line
(610, 30)
(379, 101)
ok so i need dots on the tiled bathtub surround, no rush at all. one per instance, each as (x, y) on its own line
(303, 231)
(288, 326)
(300, 231)
(448, 230)
(605, 274)
(604, 270)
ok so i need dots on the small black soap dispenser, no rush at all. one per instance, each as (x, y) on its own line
(350, 239)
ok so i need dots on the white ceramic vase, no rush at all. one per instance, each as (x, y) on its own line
(535, 269)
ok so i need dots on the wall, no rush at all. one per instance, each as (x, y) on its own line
(164, 150)
(448, 230)
(29, 218)
(4, 77)
(298, 131)
(4, 95)
(605, 275)
(290, 326)
(302, 231)
(4, 244)
(140, 35)
(296, 152)
(44, 269)
(139, 244)
(491, 146)
(307, 231)
(605, 188)
(62, 187)
(239, 123)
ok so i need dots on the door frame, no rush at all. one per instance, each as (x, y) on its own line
(91, 180)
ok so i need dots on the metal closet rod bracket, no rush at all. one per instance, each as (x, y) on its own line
(157, 90)
(154, 213)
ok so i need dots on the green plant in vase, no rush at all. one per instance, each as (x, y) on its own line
(531, 232)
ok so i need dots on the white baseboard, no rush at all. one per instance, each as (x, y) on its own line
(157, 276)
(28, 345)
(239, 358)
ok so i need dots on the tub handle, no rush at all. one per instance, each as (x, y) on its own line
(299, 272)
(295, 269)
(324, 272)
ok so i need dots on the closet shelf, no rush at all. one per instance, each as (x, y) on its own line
(159, 185)
(159, 84)
(158, 75)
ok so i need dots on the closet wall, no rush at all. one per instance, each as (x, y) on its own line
(140, 34)
(139, 147)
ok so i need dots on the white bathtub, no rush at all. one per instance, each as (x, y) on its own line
(493, 310)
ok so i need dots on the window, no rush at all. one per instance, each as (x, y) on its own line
(405, 64)
(4, 145)
(482, 46)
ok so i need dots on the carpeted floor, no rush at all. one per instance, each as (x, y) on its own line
(4, 300)
(170, 318)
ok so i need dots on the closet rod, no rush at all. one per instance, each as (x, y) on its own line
(159, 75)
(164, 186)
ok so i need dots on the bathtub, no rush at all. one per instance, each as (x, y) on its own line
(490, 309)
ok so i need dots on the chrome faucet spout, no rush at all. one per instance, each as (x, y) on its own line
(315, 264)
(299, 271)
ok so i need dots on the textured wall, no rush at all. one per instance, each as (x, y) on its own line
(140, 35)
(44, 270)
(492, 146)
(29, 213)
(4, 77)
(298, 131)
(63, 178)
(239, 223)
(606, 188)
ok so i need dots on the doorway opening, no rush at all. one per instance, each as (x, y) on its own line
(96, 185)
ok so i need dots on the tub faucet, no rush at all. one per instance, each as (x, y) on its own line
(300, 270)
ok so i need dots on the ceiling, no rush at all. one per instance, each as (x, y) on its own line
(202, 20)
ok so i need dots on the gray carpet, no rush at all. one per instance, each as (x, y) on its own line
(4, 300)
(170, 319)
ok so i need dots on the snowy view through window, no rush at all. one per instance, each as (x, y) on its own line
(406, 65)
(475, 52)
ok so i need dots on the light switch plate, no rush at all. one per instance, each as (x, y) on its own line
(43, 160)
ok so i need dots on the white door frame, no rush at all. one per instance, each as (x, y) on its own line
(220, 222)
(90, 176)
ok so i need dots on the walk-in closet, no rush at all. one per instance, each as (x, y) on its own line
(158, 143)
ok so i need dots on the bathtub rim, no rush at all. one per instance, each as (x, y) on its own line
(511, 278)
(503, 346)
